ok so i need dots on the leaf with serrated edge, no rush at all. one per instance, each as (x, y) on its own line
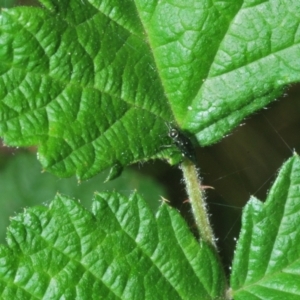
(119, 251)
(266, 262)
(23, 185)
(221, 60)
(89, 100)
(93, 83)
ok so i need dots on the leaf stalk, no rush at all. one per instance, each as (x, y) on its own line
(197, 200)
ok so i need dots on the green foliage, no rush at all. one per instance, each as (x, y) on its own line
(119, 251)
(93, 83)
(266, 262)
(85, 98)
(23, 184)
(96, 85)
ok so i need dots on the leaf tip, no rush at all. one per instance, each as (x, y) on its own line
(114, 172)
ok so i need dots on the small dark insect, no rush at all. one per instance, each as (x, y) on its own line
(183, 143)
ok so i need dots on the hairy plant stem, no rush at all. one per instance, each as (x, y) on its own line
(197, 200)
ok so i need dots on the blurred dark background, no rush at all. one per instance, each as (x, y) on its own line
(243, 164)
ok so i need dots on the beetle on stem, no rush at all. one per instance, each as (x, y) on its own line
(183, 143)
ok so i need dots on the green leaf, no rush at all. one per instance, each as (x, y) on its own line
(85, 97)
(266, 262)
(95, 83)
(23, 184)
(119, 251)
